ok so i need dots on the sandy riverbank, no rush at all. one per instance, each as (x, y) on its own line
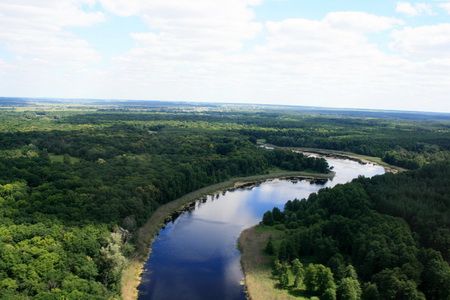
(131, 275)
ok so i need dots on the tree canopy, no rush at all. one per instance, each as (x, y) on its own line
(382, 238)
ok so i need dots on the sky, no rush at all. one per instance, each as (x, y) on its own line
(333, 53)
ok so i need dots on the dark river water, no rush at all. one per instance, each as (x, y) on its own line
(196, 256)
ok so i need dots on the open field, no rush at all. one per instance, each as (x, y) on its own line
(259, 280)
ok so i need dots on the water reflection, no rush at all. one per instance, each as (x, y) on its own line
(195, 257)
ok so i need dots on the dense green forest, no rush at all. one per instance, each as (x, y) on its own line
(382, 238)
(72, 195)
(76, 181)
(405, 140)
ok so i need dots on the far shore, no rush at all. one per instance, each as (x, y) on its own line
(131, 275)
(344, 154)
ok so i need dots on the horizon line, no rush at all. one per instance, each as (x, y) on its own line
(231, 103)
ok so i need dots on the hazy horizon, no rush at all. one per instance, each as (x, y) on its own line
(206, 102)
(388, 55)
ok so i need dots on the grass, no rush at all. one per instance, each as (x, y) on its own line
(257, 266)
(360, 157)
(131, 275)
(344, 154)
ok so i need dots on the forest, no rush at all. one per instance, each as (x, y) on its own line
(76, 182)
(406, 140)
(72, 196)
(386, 237)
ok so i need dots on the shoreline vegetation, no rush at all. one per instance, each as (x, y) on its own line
(344, 155)
(352, 220)
(257, 266)
(131, 275)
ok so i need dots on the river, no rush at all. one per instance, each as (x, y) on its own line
(196, 255)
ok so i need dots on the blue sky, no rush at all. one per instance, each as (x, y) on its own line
(355, 53)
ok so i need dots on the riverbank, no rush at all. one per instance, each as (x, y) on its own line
(257, 266)
(344, 154)
(131, 275)
(358, 157)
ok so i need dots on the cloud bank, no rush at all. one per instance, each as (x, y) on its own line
(215, 50)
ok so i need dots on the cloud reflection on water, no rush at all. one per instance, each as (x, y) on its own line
(195, 257)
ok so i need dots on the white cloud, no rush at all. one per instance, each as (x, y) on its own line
(35, 32)
(186, 26)
(361, 21)
(446, 7)
(429, 42)
(329, 62)
(219, 51)
(414, 9)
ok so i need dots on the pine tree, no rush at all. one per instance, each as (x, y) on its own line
(298, 271)
(269, 247)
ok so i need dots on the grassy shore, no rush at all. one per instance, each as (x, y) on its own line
(350, 155)
(359, 157)
(132, 273)
(256, 265)
(259, 281)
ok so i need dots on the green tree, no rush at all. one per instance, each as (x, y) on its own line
(113, 260)
(349, 289)
(298, 271)
(277, 215)
(277, 268)
(269, 247)
(267, 218)
(310, 279)
(318, 279)
(337, 265)
(370, 292)
(325, 279)
(350, 272)
(329, 294)
(284, 280)
(395, 285)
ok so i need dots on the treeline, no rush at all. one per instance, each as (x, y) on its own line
(289, 160)
(421, 198)
(417, 157)
(405, 140)
(408, 145)
(404, 152)
(71, 199)
(393, 229)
